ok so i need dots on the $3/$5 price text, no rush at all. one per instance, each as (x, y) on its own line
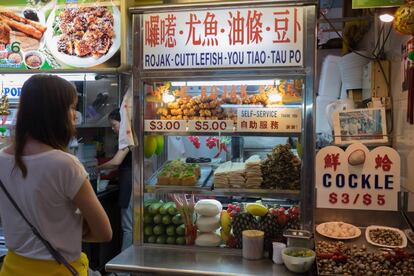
(353, 199)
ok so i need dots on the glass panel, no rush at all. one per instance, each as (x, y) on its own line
(101, 98)
(195, 144)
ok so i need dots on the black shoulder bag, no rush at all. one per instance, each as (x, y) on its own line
(58, 257)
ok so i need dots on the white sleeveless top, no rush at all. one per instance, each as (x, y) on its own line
(45, 197)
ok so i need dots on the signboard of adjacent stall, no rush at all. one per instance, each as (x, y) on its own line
(366, 4)
(39, 34)
(242, 37)
(358, 178)
(269, 120)
(12, 91)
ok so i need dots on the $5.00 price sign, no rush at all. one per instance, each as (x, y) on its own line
(165, 125)
(210, 126)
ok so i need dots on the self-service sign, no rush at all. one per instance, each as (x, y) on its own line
(278, 119)
(218, 38)
(358, 178)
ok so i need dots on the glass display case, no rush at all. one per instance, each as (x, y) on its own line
(222, 149)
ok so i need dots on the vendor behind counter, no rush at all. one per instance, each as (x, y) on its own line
(123, 162)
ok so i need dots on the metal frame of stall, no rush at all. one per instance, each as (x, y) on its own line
(307, 72)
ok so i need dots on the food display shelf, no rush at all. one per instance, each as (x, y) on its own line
(291, 194)
(202, 183)
(265, 193)
(208, 189)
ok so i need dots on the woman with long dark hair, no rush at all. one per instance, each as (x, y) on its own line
(49, 185)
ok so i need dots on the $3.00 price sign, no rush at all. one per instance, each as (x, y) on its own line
(358, 178)
(210, 126)
(165, 125)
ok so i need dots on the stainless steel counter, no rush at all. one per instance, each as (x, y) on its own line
(172, 262)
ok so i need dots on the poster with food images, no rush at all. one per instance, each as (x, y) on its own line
(59, 34)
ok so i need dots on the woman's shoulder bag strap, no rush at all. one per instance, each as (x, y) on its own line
(58, 257)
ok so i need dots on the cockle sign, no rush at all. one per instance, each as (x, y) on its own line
(243, 37)
(358, 178)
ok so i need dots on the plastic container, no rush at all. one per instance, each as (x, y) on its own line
(253, 244)
(297, 264)
(277, 252)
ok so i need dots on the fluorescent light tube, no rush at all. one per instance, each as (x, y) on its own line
(221, 83)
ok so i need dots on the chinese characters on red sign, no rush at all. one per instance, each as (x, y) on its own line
(383, 162)
(244, 37)
(241, 29)
(332, 161)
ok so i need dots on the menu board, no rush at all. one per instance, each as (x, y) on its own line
(59, 34)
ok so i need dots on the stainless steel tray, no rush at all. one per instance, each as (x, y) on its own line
(202, 183)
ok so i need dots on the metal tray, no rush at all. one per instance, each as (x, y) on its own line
(202, 183)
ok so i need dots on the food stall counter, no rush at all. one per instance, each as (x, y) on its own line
(162, 260)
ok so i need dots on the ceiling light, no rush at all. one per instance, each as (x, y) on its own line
(386, 17)
(220, 83)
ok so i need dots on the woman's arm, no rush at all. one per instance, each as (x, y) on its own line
(98, 227)
(115, 161)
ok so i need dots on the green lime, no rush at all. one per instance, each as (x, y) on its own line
(171, 240)
(148, 202)
(157, 219)
(154, 208)
(172, 210)
(152, 239)
(170, 230)
(177, 219)
(180, 240)
(166, 219)
(148, 230)
(180, 230)
(147, 219)
(161, 239)
(158, 229)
